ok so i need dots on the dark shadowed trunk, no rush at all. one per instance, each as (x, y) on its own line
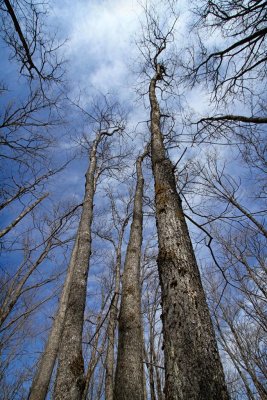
(192, 366)
(129, 376)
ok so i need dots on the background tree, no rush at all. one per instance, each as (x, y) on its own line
(231, 208)
(236, 279)
(31, 236)
(30, 42)
(241, 58)
(114, 233)
(154, 357)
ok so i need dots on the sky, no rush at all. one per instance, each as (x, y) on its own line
(101, 58)
(102, 34)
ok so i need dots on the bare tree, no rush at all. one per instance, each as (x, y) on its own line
(242, 58)
(241, 333)
(112, 324)
(192, 365)
(27, 141)
(234, 72)
(232, 226)
(97, 342)
(30, 287)
(26, 156)
(27, 120)
(23, 29)
(152, 312)
(35, 253)
(129, 369)
(114, 233)
(68, 325)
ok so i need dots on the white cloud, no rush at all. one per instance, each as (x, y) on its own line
(99, 35)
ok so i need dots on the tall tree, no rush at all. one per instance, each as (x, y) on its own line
(65, 339)
(232, 207)
(70, 373)
(129, 378)
(236, 280)
(192, 364)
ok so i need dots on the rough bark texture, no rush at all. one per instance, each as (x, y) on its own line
(192, 366)
(70, 380)
(129, 372)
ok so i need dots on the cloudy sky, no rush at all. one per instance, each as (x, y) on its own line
(100, 46)
(102, 57)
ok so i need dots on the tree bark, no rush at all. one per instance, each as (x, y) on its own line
(129, 376)
(45, 368)
(109, 366)
(70, 379)
(192, 365)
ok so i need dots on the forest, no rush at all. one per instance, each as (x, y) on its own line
(133, 200)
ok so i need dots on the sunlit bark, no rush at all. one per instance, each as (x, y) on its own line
(192, 366)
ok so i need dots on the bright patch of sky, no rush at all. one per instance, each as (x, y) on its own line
(100, 43)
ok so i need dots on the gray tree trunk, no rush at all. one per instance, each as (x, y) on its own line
(45, 368)
(192, 365)
(70, 379)
(129, 376)
(109, 365)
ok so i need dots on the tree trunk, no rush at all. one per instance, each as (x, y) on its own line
(129, 372)
(45, 368)
(155, 362)
(151, 376)
(96, 355)
(109, 377)
(192, 364)
(70, 373)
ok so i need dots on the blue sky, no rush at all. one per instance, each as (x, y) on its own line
(101, 58)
